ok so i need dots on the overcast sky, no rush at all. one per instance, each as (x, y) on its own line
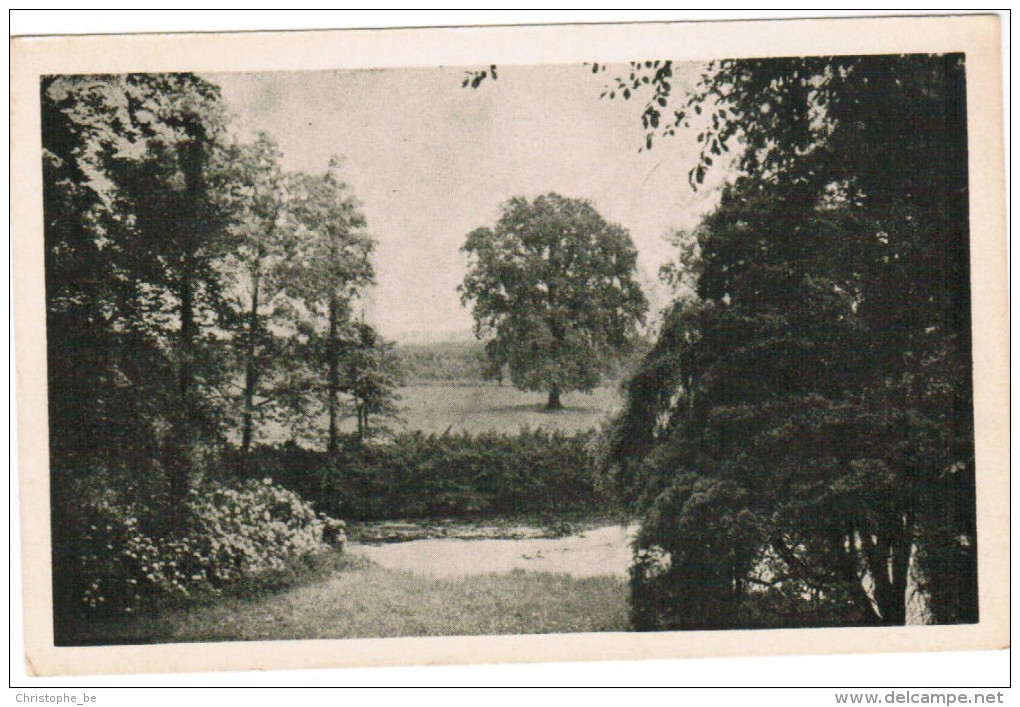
(431, 161)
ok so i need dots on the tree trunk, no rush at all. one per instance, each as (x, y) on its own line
(554, 399)
(333, 381)
(887, 554)
(182, 442)
(182, 464)
(900, 550)
(250, 374)
(362, 421)
(848, 567)
(947, 555)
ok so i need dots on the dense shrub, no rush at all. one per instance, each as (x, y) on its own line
(121, 557)
(451, 475)
(704, 561)
(694, 546)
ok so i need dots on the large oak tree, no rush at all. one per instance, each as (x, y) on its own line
(553, 285)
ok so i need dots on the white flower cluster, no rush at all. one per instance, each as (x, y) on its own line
(233, 533)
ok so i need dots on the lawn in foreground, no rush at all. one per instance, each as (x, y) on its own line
(364, 600)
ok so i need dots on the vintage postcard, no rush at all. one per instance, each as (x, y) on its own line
(510, 344)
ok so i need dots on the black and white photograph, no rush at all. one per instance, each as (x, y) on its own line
(515, 348)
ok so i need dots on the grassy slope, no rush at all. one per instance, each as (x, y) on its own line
(368, 601)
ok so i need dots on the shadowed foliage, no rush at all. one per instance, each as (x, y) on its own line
(801, 435)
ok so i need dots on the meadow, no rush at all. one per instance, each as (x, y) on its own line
(484, 407)
(445, 389)
(437, 407)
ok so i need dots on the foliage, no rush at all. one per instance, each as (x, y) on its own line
(329, 265)
(370, 375)
(333, 258)
(172, 254)
(803, 427)
(187, 281)
(414, 475)
(553, 282)
(123, 561)
(132, 182)
(254, 276)
(193, 287)
(475, 78)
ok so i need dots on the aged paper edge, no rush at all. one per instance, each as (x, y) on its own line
(977, 36)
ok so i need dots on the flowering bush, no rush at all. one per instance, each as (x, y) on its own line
(231, 535)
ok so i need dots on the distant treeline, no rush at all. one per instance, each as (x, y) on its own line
(447, 361)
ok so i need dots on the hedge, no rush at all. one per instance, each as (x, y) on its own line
(415, 475)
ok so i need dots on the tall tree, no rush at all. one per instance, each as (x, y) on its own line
(823, 379)
(265, 236)
(128, 178)
(133, 232)
(174, 187)
(553, 283)
(330, 265)
(90, 296)
(371, 374)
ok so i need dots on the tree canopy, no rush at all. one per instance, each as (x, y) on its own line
(553, 284)
(133, 180)
(190, 279)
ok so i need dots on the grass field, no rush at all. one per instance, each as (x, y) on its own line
(364, 600)
(481, 408)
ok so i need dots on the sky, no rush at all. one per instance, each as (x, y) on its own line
(431, 161)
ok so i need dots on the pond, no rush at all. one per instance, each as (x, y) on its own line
(603, 550)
